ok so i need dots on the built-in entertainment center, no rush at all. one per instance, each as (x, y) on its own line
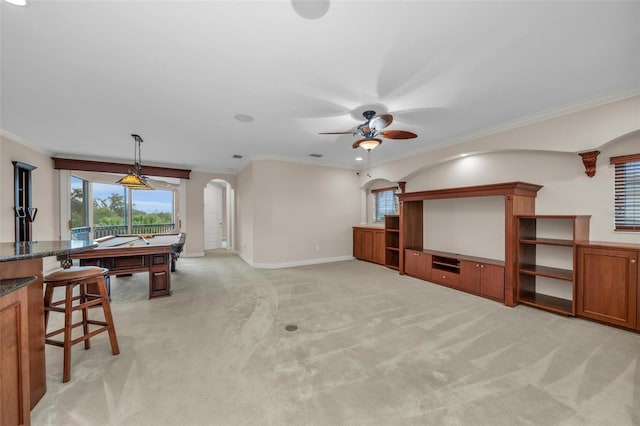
(543, 261)
(488, 277)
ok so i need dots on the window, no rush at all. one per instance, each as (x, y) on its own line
(627, 192)
(99, 209)
(79, 209)
(385, 202)
(152, 211)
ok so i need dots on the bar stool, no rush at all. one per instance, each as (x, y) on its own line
(88, 278)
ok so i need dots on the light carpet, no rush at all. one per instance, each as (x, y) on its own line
(372, 348)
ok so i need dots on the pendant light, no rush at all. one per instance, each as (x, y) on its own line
(134, 178)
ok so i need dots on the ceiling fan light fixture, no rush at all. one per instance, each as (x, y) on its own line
(369, 143)
(134, 179)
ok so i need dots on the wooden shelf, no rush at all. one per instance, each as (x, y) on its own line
(548, 242)
(546, 271)
(392, 241)
(548, 303)
(537, 235)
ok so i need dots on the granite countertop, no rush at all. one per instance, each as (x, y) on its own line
(34, 249)
(12, 284)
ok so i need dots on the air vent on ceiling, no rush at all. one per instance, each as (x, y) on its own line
(315, 155)
(236, 156)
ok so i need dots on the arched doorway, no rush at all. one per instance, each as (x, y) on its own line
(218, 215)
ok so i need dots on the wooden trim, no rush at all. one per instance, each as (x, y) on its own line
(508, 188)
(624, 159)
(389, 188)
(108, 167)
(589, 161)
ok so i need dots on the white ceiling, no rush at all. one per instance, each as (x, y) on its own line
(78, 77)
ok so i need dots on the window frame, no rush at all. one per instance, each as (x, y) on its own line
(95, 178)
(376, 193)
(626, 181)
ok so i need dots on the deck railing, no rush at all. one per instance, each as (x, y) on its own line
(83, 232)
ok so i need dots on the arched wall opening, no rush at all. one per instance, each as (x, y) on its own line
(218, 215)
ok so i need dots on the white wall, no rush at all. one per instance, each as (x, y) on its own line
(471, 226)
(301, 213)
(245, 214)
(566, 190)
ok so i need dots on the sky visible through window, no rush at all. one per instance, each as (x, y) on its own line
(147, 201)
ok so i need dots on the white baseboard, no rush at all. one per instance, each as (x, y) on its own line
(298, 262)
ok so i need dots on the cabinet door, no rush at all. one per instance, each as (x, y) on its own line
(14, 359)
(367, 245)
(470, 273)
(363, 244)
(378, 247)
(492, 282)
(607, 285)
(417, 264)
(357, 243)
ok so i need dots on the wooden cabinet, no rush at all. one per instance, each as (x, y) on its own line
(417, 264)
(608, 285)
(369, 244)
(392, 241)
(484, 279)
(377, 244)
(15, 404)
(519, 199)
(445, 270)
(547, 258)
(476, 275)
(35, 308)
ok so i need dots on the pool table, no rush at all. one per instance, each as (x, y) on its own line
(126, 254)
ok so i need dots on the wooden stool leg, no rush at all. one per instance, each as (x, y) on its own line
(48, 295)
(66, 371)
(115, 349)
(85, 314)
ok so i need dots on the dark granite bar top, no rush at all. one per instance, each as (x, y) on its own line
(13, 284)
(34, 249)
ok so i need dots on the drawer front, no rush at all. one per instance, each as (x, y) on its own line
(445, 277)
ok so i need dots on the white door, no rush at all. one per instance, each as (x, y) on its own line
(212, 216)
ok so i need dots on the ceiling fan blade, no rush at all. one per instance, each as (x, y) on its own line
(356, 144)
(337, 133)
(398, 134)
(380, 122)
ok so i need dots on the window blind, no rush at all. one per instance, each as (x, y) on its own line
(627, 192)
(385, 203)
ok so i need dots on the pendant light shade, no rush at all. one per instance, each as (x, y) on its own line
(134, 178)
(369, 143)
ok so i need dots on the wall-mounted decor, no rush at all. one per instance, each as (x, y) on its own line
(589, 161)
(25, 213)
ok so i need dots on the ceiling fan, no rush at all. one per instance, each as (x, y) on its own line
(371, 131)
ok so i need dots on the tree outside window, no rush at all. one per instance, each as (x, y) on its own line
(385, 202)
